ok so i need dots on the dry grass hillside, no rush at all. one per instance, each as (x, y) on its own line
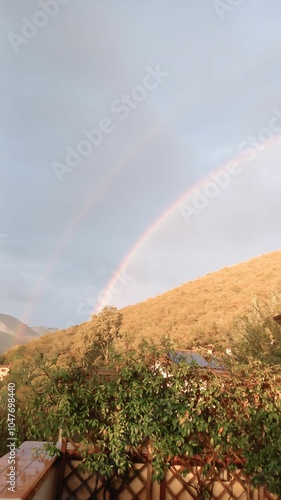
(197, 313)
(203, 310)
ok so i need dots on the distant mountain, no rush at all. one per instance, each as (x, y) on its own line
(43, 329)
(14, 332)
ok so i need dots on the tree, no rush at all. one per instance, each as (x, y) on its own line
(104, 330)
(258, 335)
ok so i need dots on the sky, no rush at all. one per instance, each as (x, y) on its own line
(141, 145)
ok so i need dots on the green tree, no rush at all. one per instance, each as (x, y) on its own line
(103, 332)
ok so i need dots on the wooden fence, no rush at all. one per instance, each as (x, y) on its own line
(140, 486)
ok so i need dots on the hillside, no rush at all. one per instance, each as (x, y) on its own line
(13, 332)
(203, 310)
(197, 313)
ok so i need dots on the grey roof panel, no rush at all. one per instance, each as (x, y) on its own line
(194, 358)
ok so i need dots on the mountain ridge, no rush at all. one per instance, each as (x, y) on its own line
(13, 332)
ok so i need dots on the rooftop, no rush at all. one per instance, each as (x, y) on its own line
(193, 358)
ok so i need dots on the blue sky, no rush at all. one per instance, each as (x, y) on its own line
(66, 67)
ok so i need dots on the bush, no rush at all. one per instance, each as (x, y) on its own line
(163, 409)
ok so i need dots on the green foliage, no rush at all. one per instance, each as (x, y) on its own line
(161, 409)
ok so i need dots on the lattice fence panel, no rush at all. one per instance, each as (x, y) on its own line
(175, 486)
(226, 487)
(81, 486)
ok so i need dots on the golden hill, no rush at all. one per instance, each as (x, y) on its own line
(197, 313)
(203, 310)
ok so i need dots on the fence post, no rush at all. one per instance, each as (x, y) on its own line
(149, 472)
(62, 468)
(163, 488)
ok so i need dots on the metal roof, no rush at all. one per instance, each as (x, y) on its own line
(193, 358)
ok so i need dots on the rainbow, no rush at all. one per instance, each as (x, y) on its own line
(164, 216)
(152, 229)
